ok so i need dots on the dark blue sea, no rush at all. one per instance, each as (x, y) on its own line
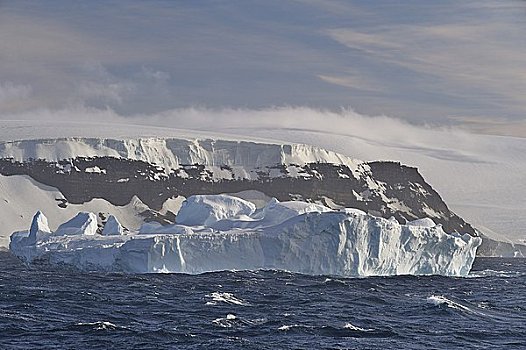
(57, 309)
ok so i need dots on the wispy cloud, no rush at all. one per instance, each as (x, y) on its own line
(14, 97)
(10, 92)
(353, 81)
(479, 61)
(101, 87)
(256, 122)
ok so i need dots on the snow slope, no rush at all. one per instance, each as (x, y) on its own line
(21, 197)
(310, 241)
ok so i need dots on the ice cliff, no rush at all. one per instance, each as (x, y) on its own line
(226, 233)
(222, 158)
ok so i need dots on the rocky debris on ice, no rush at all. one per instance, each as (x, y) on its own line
(226, 233)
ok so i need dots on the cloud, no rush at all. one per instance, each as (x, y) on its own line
(478, 61)
(367, 42)
(14, 96)
(419, 61)
(102, 87)
(157, 76)
(99, 87)
(252, 122)
(10, 91)
(489, 125)
(354, 81)
(337, 8)
(93, 92)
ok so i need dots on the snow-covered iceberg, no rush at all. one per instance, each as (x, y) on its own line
(228, 233)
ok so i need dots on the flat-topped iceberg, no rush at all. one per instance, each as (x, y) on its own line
(228, 233)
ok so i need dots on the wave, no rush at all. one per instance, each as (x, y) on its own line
(352, 327)
(227, 298)
(441, 301)
(347, 330)
(19, 316)
(494, 273)
(334, 281)
(98, 326)
(232, 321)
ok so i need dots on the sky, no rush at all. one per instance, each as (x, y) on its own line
(447, 63)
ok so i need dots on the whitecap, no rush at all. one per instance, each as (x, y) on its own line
(333, 280)
(352, 327)
(232, 320)
(162, 269)
(226, 322)
(494, 273)
(439, 300)
(99, 325)
(442, 300)
(225, 297)
(286, 328)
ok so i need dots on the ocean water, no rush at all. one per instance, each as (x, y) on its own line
(56, 309)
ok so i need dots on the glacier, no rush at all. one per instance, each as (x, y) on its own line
(221, 232)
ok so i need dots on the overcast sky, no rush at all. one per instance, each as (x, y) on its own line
(439, 62)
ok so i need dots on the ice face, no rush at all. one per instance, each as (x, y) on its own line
(39, 228)
(322, 241)
(82, 224)
(243, 156)
(112, 227)
(38, 225)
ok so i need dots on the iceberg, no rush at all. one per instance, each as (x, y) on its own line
(39, 226)
(220, 232)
